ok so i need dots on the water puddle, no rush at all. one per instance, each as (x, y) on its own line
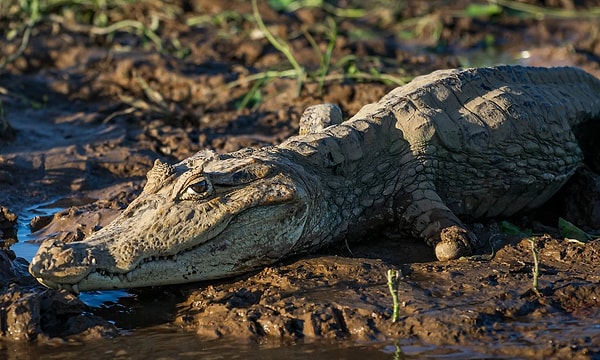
(27, 246)
(29, 243)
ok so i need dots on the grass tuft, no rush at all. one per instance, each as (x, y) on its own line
(324, 73)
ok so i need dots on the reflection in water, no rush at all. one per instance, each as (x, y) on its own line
(170, 343)
(167, 342)
(24, 248)
(99, 299)
(28, 243)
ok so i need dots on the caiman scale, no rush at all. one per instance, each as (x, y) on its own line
(470, 144)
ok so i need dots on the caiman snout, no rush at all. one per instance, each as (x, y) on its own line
(58, 264)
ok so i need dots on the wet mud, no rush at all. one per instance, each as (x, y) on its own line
(85, 115)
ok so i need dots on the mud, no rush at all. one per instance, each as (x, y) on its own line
(84, 115)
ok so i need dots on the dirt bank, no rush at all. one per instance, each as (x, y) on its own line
(85, 111)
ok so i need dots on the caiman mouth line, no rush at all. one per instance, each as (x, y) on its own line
(124, 278)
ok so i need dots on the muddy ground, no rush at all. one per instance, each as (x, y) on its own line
(86, 111)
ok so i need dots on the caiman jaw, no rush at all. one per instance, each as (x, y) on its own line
(201, 219)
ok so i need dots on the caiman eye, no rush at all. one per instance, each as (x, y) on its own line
(200, 188)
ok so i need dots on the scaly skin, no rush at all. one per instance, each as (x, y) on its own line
(472, 144)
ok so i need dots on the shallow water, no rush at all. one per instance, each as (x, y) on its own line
(26, 247)
(169, 343)
(28, 244)
(166, 343)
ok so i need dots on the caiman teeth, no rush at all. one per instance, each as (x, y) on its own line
(124, 277)
(48, 283)
(160, 258)
(67, 287)
(72, 288)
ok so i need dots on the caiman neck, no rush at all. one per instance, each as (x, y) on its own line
(354, 167)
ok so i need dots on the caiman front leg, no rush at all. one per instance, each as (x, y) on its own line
(424, 212)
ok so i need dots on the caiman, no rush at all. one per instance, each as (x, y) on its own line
(472, 144)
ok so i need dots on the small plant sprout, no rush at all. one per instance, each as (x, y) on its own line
(398, 354)
(536, 265)
(392, 279)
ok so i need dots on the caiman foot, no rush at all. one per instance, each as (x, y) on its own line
(454, 243)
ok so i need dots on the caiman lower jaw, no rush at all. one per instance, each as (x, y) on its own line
(107, 280)
(100, 279)
(157, 271)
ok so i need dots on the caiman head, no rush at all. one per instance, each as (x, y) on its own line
(207, 217)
